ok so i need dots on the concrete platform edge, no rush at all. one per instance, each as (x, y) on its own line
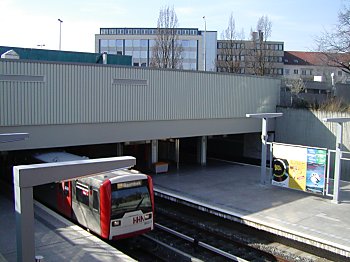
(259, 224)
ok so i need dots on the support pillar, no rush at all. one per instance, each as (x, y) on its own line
(337, 168)
(263, 150)
(120, 149)
(177, 153)
(202, 150)
(24, 223)
(154, 151)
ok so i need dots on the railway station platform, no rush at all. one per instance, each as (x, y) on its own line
(234, 189)
(56, 239)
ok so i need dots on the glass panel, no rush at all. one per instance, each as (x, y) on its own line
(144, 42)
(129, 200)
(119, 43)
(111, 43)
(128, 43)
(104, 43)
(136, 43)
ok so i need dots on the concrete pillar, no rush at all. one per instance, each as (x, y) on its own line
(177, 153)
(120, 149)
(154, 151)
(202, 150)
(24, 223)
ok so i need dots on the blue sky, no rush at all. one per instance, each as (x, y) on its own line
(31, 23)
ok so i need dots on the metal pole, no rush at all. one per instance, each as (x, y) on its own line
(337, 167)
(59, 20)
(205, 44)
(263, 150)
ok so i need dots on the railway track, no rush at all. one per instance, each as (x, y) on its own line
(239, 240)
(185, 234)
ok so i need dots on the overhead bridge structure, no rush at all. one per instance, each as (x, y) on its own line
(74, 104)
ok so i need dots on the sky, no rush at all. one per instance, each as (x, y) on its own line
(34, 23)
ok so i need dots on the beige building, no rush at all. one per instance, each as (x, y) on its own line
(255, 57)
(312, 66)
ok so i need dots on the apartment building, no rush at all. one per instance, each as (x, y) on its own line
(255, 57)
(198, 47)
(313, 66)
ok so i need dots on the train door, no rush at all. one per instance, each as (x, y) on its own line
(64, 198)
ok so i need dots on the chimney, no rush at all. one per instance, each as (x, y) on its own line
(261, 36)
(255, 36)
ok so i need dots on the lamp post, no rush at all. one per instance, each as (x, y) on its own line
(205, 44)
(264, 117)
(59, 20)
(338, 145)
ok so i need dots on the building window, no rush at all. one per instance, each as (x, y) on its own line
(340, 73)
(219, 45)
(303, 72)
(104, 43)
(128, 43)
(119, 43)
(193, 43)
(296, 72)
(286, 71)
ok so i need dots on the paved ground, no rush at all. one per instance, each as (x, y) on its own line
(56, 239)
(236, 189)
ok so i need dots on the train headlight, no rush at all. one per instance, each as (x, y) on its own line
(148, 216)
(116, 223)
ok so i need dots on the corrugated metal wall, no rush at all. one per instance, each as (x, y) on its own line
(52, 93)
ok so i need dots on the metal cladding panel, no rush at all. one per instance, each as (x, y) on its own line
(86, 93)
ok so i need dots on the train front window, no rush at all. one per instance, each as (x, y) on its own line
(130, 199)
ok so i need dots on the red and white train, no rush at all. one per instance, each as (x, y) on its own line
(114, 205)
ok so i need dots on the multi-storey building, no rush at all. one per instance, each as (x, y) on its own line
(138, 42)
(313, 66)
(255, 57)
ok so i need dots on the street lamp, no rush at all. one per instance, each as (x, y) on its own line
(59, 20)
(205, 44)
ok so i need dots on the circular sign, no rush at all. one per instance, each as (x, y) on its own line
(280, 170)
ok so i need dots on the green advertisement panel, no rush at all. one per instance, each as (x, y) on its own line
(300, 168)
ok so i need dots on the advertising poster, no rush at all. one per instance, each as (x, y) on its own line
(316, 169)
(299, 168)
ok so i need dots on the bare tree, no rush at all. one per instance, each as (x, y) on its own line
(262, 54)
(336, 44)
(167, 49)
(231, 51)
(295, 86)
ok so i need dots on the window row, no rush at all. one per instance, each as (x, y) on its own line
(142, 43)
(224, 45)
(240, 70)
(264, 46)
(230, 58)
(143, 31)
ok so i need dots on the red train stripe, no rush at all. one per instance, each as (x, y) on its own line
(105, 208)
